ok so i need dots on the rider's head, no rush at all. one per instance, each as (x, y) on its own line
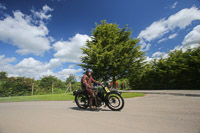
(89, 72)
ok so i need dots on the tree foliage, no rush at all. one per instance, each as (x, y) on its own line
(71, 78)
(16, 86)
(111, 53)
(181, 70)
(47, 82)
(3, 76)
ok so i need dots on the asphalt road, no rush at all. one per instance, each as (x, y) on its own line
(150, 114)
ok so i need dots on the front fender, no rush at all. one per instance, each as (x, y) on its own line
(114, 91)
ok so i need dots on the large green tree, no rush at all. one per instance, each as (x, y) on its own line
(111, 53)
(71, 79)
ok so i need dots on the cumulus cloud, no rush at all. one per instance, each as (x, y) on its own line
(192, 37)
(158, 29)
(69, 51)
(30, 34)
(155, 30)
(4, 62)
(32, 68)
(20, 31)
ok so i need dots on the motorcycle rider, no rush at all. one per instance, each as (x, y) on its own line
(86, 85)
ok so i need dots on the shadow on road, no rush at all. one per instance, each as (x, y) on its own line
(88, 109)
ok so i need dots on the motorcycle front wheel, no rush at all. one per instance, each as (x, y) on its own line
(82, 100)
(115, 101)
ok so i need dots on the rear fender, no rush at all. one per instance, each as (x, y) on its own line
(76, 92)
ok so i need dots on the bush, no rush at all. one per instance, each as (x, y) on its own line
(16, 86)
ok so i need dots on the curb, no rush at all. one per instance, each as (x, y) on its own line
(165, 93)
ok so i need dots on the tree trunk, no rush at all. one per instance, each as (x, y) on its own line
(70, 86)
(32, 88)
(52, 87)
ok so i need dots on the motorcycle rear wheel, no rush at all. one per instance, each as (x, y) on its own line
(82, 100)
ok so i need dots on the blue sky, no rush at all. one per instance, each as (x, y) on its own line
(44, 37)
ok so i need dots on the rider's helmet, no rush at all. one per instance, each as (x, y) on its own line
(87, 71)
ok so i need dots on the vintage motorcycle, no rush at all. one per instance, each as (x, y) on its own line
(103, 96)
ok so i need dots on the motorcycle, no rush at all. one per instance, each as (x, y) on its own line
(103, 96)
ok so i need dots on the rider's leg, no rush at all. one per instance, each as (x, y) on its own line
(91, 93)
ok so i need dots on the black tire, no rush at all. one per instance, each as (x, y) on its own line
(82, 100)
(115, 101)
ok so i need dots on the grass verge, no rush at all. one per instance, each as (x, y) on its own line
(56, 97)
(132, 94)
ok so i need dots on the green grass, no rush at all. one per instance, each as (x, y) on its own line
(132, 94)
(55, 97)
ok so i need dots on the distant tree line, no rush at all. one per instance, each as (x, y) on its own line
(22, 86)
(181, 70)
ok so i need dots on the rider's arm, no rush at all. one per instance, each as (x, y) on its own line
(94, 81)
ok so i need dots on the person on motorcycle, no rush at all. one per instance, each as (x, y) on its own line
(86, 85)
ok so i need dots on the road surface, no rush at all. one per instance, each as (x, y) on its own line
(153, 113)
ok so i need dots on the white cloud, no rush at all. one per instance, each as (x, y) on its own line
(172, 36)
(46, 8)
(162, 40)
(165, 39)
(66, 72)
(148, 59)
(42, 14)
(159, 54)
(32, 68)
(174, 5)
(4, 62)
(2, 7)
(20, 31)
(191, 40)
(192, 37)
(155, 30)
(185, 47)
(71, 66)
(69, 51)
(181, 20)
